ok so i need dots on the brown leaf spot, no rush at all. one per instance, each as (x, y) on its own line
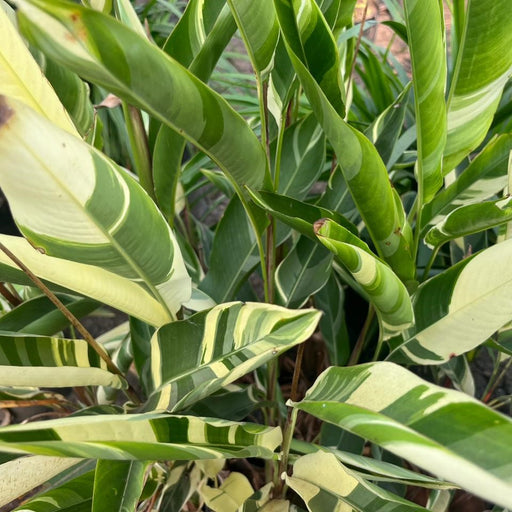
(318, 225)
(6, 112)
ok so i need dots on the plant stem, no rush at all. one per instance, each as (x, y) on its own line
(488, 392)
(140, 148)
(358, 348)
(72, 320)
(11, 298)
(356, 49)
(428, 266)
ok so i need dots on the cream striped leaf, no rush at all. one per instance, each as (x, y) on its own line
(381, 285)
(425, 30)
(325, 484)
(141, 437)
(312, 51)
(101, 50)
(484, 65)
(440, 430)
(222, 345)
(21, 77)
(94, 282)
(42, 361)
(461, 308)
(84, 207)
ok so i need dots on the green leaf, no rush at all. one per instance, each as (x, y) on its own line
(24, 474)
(73, 496)
(88, 280)
(435, 428)
(117, 485)
(258, 25)
(459, 309)
(362, 167)
(41, 361)
(141, 437)
(425, 31)
(381, 285)
(325, 484)
(40, 316)
(470, 219)
(230, 495)
(93, 45)
(21, 78)
(104, 218)
(484, 65)
(223, 344)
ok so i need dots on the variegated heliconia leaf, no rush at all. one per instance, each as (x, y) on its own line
(42, 361)
(470, 219)
(484, 65)
(257, 22)
(443, 431)
(307, 36)
(425, 30)
(461, 308)
(126, 14)
(141, 437)
(84, 41)
(85, 208)
(87, 280)
(325, 484)
(222, 345)
(230, 495)
(21, 475)
(382, 286)
(21, 77)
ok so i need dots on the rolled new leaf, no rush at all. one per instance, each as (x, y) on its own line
(382, 286)
(222, 345)
(484, 66)
(74, 203)
(313, 53)
(425, 31)
(141, 437)
(325, 484)
(470, 219)
(461, 308)
(105, 52)
(42, 361)
(440, 430)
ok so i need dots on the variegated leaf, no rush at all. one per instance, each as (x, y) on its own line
(21, 77)
(440, 430)
(83, 40)
(230, 495)
(381, 285)
(85, 208)
(461, 308)
(41, 361)
(223, 344)
(87, 280)
(325, 484)
(307, 36)
(141, 437)
(425, 30)
(484, 65)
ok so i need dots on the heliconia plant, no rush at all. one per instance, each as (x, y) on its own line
(368, 215)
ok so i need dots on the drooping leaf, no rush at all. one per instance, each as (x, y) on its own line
(325, 484)
(381, 285)
(103, 218)
(84, 41)
(117, 485)
(41, 361)
(223, 344)
(426, 43)
(87, 280)
(21, 78)
(230, 495)
(141, 437)
(470, 219)
(484, 65)
(363, 169)
(433, 427)
(459, 309)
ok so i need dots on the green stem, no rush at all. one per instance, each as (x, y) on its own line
(494, 381)
(428, 266)
(140, 148)
(358, 348)
(279, 150)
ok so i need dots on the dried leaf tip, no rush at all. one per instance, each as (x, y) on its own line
(317, 226)
(6, 112)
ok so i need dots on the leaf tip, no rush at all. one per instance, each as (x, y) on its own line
(317, 226)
